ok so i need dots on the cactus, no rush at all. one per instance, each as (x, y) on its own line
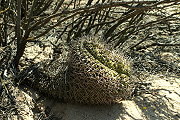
(92, 74)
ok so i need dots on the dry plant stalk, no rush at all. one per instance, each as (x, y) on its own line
(25, 21)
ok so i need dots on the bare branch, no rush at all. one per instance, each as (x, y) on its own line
(156, 44)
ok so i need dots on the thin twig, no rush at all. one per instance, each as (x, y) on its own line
(156, 44)
(140, 41)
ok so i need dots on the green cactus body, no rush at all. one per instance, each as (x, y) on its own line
(107, 58)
